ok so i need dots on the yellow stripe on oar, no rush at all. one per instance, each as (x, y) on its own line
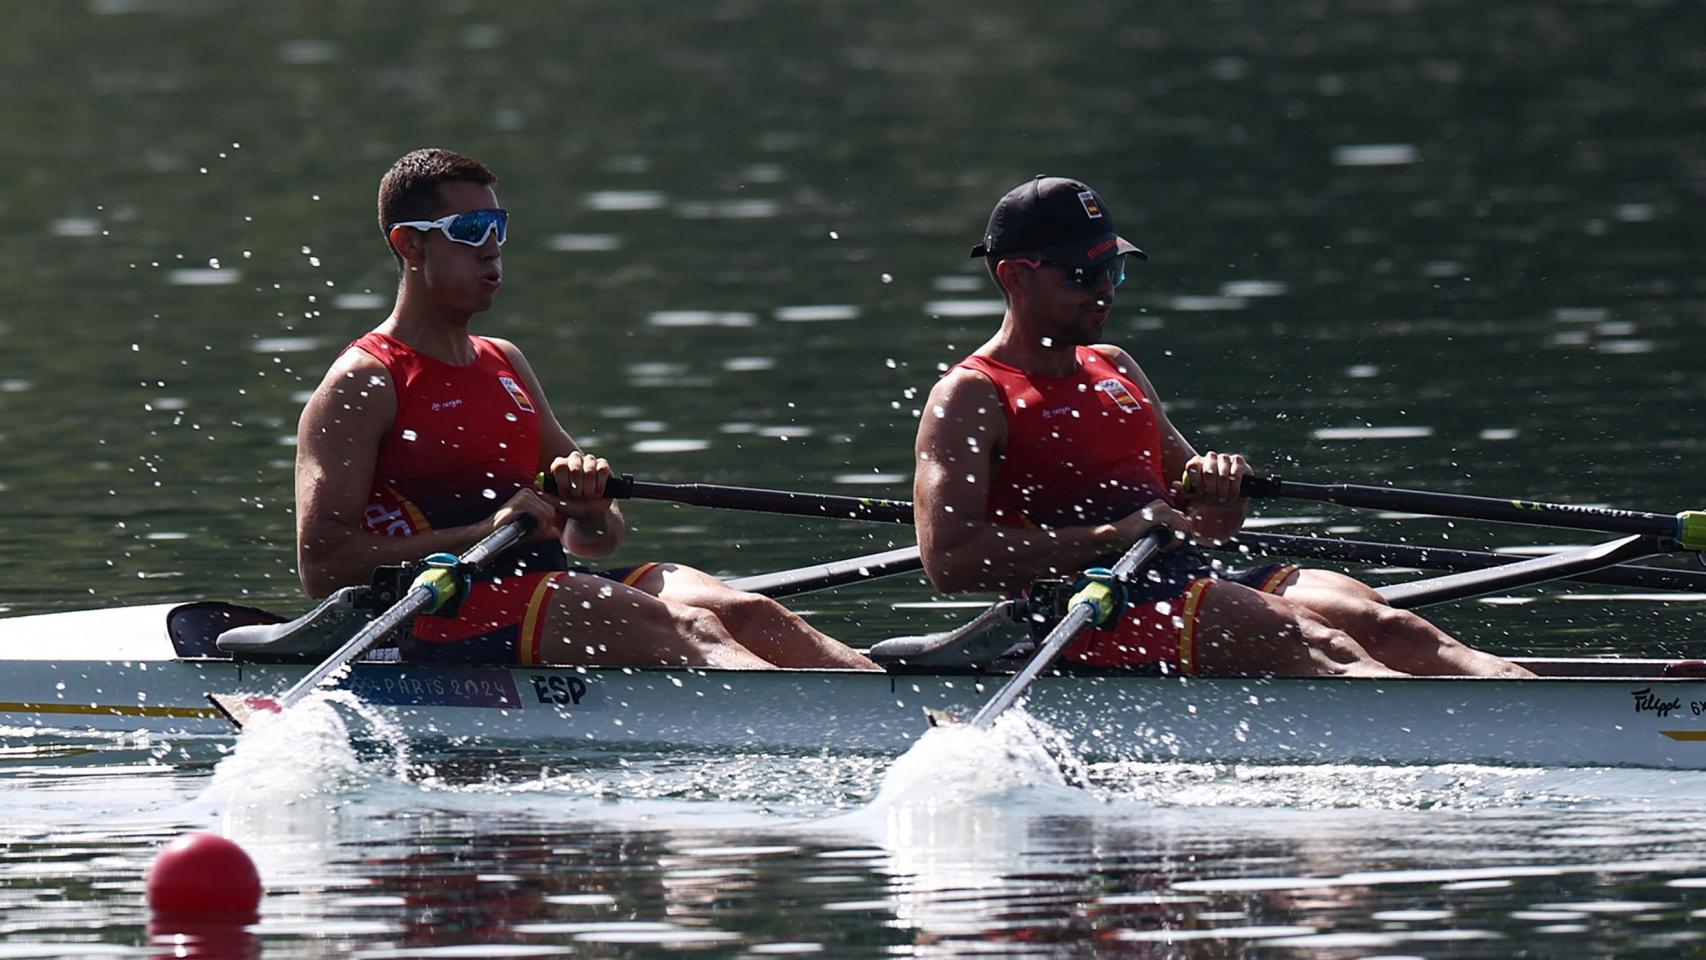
(99, 710)
(1685, 734)
(1691, 529)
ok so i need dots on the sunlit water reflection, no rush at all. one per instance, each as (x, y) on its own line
(970, 840)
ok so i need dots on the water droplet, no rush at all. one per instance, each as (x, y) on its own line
(408, 435)
(489, 493)
(888, 278)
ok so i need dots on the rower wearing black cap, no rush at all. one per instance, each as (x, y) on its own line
(1046, 451)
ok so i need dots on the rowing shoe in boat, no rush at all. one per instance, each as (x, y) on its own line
(148, 668)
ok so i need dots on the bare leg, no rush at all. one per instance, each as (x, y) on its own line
(1396, 637)
(590, 620)
(1242, 632)
(756, 622)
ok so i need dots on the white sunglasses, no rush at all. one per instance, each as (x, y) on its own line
(471, 228)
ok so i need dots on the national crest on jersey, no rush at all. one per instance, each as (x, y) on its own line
(517, 394)
(1121, 395)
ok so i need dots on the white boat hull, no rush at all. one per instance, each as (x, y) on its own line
(71, 672)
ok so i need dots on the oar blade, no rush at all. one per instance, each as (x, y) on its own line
(241, 708)
(942, 718)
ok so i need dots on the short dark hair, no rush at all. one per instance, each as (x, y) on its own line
(409, 190)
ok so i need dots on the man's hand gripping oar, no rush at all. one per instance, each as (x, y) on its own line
(433, 588)
(1098, 601)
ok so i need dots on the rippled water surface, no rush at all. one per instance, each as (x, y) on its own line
(1434, 243)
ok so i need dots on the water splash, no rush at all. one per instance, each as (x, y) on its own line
(960, 765)
(307, 750)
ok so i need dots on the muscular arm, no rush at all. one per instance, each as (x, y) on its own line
(337, 449)
(595, 524)
(1211, 519)
(959, 436)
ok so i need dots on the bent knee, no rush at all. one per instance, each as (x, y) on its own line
(1330, 645)
(1391, 621)
(700, 625)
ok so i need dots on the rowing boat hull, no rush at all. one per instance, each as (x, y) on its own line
(69, 672)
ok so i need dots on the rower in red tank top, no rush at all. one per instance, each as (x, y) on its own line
(424, 438)
(1085, 449)
(1047, 451)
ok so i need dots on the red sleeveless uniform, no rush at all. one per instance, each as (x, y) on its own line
(1085, 449)
(464, 440)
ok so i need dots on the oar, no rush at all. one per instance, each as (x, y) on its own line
(802, 504)
(1447, 558)
(433, 588)
(1474, 583)
(1093, 603)
(822, 576)
(1687, 529)
(759, 499)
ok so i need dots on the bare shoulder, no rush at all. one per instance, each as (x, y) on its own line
(356, 395)
(962, 391)
(356, 372)
(963, 414)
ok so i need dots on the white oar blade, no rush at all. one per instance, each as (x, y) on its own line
(241, 708)
(942, 718)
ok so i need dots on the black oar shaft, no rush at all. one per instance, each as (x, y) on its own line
(1683, 528)
(1687, 528)
(760, 499)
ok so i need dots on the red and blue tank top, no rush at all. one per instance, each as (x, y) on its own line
(465, 438)
(1081, 449)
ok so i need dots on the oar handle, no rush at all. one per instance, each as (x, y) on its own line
(1687, 529)
(788, 502)
(1086, 607)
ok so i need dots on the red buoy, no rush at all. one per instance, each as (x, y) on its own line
(204, 874)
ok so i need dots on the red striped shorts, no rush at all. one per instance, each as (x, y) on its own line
(1159, 633)
(501, 621)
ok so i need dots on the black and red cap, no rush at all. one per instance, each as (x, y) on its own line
(1060, 218)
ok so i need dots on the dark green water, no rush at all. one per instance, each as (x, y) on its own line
(1467, 234)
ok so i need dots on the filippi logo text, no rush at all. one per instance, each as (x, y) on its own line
(1646, 701)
